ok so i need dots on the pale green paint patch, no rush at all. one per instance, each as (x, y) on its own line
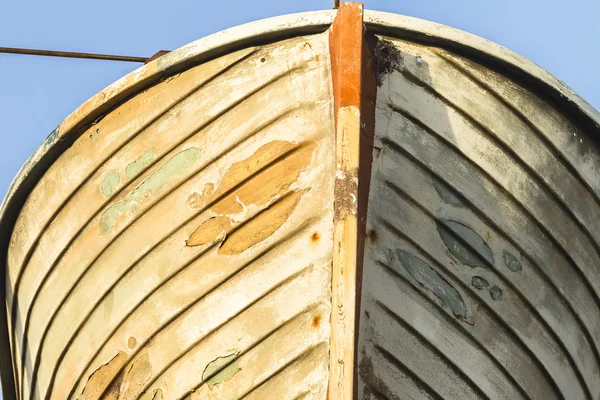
(174, 168)
(140, 164)
(110, 182)
(224, 368)
(433, 282)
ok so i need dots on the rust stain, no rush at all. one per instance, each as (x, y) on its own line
(268, 175)
(136, 378)
(262, 226)
(372, 235)
(315, 237)
(131, 342)
(316, 321)
(211, 230)
(101, 378)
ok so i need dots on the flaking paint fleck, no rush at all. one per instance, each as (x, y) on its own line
(220, 369)
(345, 194)
(433, 282)
(174, 168)
(140, 164)
(511, 262)
(479, 283)
(496, 293)
(51, 139)
(110, 182)
(465, 244)
(131, 342)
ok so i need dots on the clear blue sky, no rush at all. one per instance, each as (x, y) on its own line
(36, 93)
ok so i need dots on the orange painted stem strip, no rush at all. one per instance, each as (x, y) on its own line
(354, 89)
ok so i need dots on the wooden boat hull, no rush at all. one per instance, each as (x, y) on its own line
(303, 208)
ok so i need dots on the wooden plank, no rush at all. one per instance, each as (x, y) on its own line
(354, 101)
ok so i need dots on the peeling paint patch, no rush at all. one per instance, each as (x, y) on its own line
(265, 179)
(511, 262)
(110, 182)
(279, 174)
(220, 369)
(447, 193)
(102, 377)
(51, 139)
(136, 378)
(140, 164)
(214, 229)
(271, 183)
(175, 167)
(433, 282)
(199, 200)
(479, 283)
(262, 226)
(345, 194)
(465, 244)
(496, 293)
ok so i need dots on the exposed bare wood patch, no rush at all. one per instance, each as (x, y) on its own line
(263, 226)
(135, 378)
(102, 377)
(210, 231)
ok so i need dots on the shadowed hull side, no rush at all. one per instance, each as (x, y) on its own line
(312, 211)
(480, 277)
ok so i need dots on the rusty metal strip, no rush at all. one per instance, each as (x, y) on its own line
(71, 54)
(354, 89)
